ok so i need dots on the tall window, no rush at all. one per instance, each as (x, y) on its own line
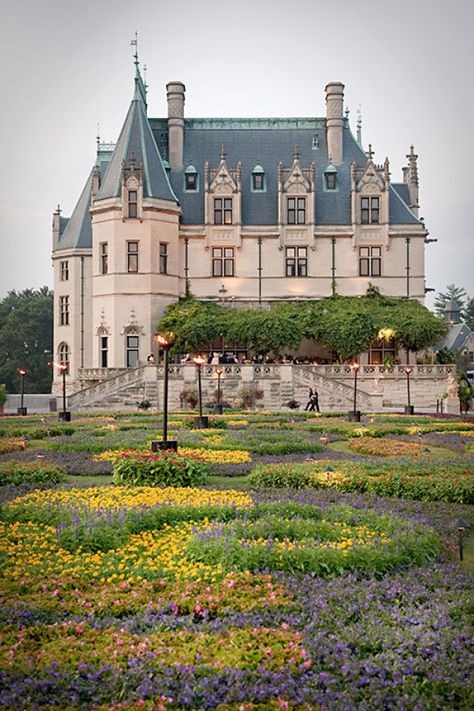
(369, 210)
(132, 203)
(132, 351)
(64, 356)
(222, 211)
(296, 261)
(370, 261)
(104, 351)
(64, 310)
(104, 257)
(296, 211)
(222, 261)
(64, 271)
(163, 258)
(132, 257)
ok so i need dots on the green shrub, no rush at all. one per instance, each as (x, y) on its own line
(163, 468)
(13, 472)
(11, 445)
(282, 476)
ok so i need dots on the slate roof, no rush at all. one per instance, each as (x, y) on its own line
(136, 138)
(78, 228)
(265, 142)
(457, 337)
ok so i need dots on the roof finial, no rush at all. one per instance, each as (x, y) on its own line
(223, 153)
(97, 138)
(134, 43)
(370, 152)
(359, 126)
(347, 112)
(296, 154)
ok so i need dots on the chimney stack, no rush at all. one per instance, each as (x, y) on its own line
(175, 94)
(334, 120)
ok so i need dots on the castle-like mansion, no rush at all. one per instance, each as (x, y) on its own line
(241, 211)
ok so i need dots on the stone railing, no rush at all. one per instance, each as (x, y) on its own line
(107, 386)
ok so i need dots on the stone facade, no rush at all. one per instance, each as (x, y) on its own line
(240, 211)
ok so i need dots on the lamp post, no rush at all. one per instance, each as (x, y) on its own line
(218, 407)
(461, 526)
(200, 422)
(64, 415)
(22, 410)
(165, 342)
(354, 415)
(409, 409)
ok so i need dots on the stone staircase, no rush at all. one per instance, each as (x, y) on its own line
(334, 395)
(120, 392)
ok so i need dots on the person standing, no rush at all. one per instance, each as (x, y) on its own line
(310, 397)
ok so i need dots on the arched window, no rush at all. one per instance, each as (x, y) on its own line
(64, 355)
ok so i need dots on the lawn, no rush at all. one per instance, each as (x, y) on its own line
(309, 563)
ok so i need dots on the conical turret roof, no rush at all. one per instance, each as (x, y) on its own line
(136, 145)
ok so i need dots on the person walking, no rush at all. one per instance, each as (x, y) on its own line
(314, 401)
(310, 397)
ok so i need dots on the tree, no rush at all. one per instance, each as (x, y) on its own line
(469, 314)
(457, 293)
(26, 339)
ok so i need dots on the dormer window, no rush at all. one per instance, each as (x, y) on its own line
(369, 210)
(258, 179)
(132, 203)
(191, 182)
(296, 211)
(330, 178)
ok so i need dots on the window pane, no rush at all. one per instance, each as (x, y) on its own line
(364, 217)
(132, 209)
(216, 267)
(218, 203)
(133, 246)
(376, 267)
(217, 251)
(301, 203)
(364, 251)
(133, 262)
(228, 203)
(228, 252)
(302, 252)
(302, 267)
(364, 202)
(132, 195)
(163, 248)
(375, 203)
(375, 216)
(291, 203)
(375, 251)
(228, 267)
(290, 251)
(228, 217)
(363, 267)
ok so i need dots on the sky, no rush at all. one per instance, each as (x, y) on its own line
(66, 66)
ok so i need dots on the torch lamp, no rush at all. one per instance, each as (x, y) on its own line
(65, 416)
(201, 422)
(165, 342)
(354, 415)
(218, 407)
(409, 408)
(22, 409)
(461, 526)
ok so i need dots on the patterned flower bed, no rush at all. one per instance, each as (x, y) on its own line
(386, 447)
(421, 481)
(178, 616)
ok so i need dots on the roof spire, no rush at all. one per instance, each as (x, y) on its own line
(97, 138)
(296, 154)
(223, 153)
